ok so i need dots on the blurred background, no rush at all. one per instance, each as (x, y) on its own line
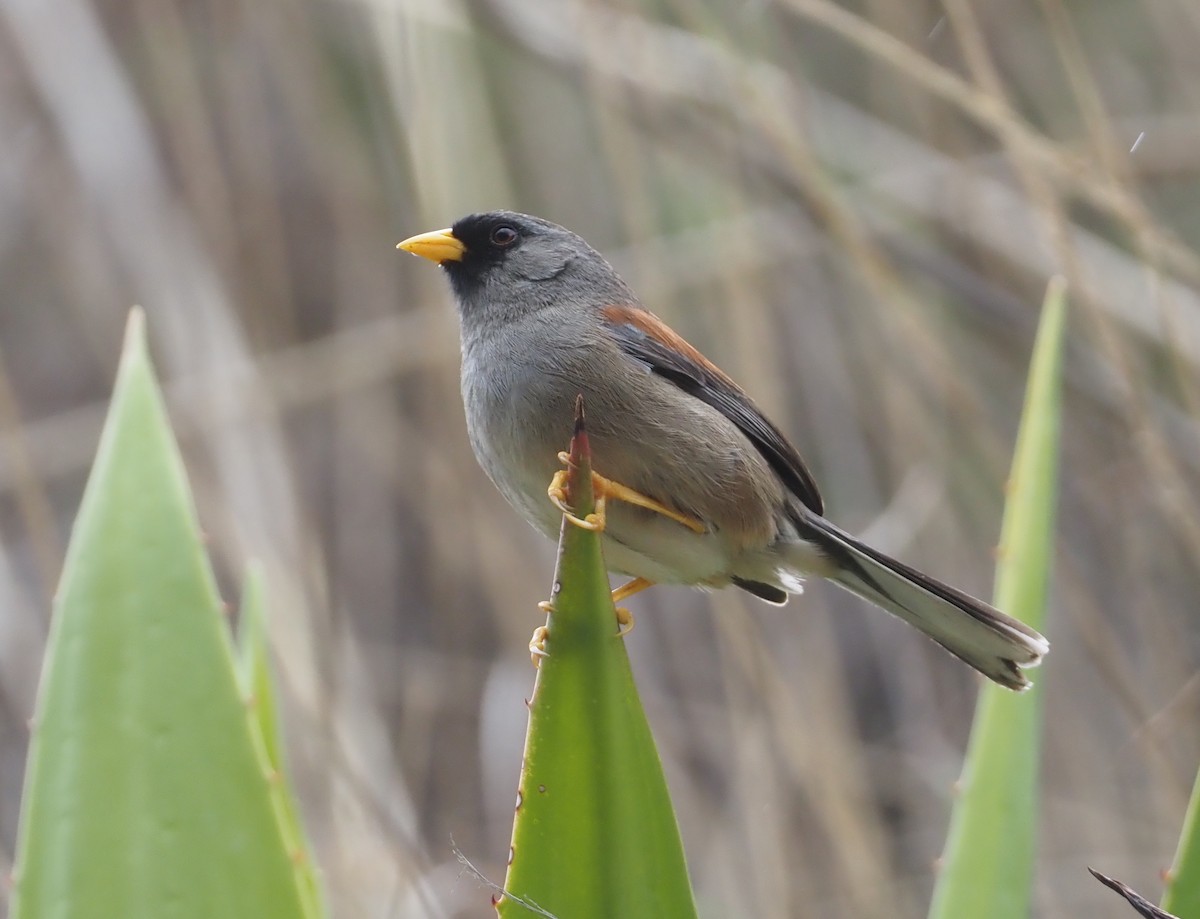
(853, 207)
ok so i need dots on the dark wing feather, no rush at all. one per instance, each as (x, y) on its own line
(645, 338)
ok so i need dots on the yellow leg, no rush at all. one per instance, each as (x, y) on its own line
(628, 589)
(605, 489)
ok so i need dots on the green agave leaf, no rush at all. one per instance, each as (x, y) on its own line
(594, 833)
(987, 867)
(145, 797)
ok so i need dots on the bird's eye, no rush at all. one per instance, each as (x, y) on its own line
(503, 237)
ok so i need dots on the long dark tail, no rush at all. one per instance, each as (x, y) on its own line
(996, 645)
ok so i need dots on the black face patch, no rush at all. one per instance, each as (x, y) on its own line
(503, 249)
(488, 238)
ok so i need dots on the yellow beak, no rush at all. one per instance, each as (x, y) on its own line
(439, 246)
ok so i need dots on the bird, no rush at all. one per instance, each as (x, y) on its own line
(704, 490)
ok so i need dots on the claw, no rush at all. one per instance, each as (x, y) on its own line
(624, 617)
(625, 622)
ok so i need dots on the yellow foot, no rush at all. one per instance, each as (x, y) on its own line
(557, 492)
(624, 622)
(537, 645)
(605, 489)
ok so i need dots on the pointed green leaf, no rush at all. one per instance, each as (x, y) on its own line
(144, 796)
(987, 868)
(594, 833)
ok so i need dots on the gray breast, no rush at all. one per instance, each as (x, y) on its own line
(520, 414)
